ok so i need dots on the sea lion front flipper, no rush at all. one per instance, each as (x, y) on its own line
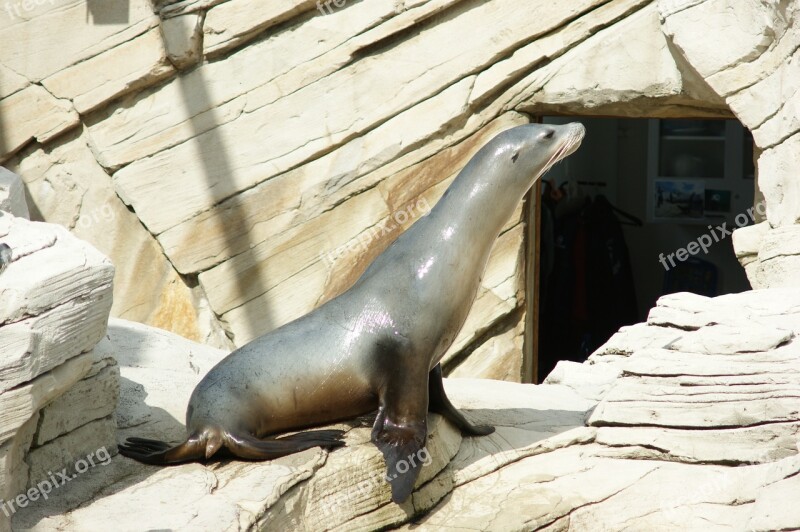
(440, 404)
(400, 430)
(400, 445)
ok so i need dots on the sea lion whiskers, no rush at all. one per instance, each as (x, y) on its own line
(568, 146)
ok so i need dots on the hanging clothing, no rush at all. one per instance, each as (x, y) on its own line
(589, 292)
(610, 286)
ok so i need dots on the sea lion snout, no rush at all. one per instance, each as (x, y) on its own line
(573, 136)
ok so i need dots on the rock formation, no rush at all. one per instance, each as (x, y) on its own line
(689, 421)
(242, 163)
(59, 380)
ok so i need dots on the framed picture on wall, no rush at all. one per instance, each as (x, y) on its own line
(679, 199)
(697, 171)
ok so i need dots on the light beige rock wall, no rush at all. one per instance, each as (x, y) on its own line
(241, 163)
(59, 381)
(755, 67)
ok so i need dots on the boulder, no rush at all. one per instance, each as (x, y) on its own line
(58, 382)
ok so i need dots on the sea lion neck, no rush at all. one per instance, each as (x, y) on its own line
(478, 202)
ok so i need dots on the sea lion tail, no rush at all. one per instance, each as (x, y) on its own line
(249, 447)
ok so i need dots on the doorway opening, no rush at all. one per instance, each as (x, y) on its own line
(642, 209)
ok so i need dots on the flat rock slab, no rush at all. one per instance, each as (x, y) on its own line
(695, 430)
(644, 436)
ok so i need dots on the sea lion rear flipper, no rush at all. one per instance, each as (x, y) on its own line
(240, 445)
(161, 453)
(440, 404)
(251, 448)
(400, 431)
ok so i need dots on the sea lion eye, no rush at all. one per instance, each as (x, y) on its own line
(515, 157)
(548, 134)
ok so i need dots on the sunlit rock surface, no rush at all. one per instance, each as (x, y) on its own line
(59, 382)
(243, 163)
(687, 422)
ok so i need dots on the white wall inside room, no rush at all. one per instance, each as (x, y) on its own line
(615, 151)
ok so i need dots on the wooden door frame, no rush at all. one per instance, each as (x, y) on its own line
(532, 216)
(532, 225)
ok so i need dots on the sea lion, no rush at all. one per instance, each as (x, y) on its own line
(379, 343)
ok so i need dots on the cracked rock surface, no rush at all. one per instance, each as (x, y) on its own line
(690, 421)
(295, 135)
(58, 380)
(694, 425)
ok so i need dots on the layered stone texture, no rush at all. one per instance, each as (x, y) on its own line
(70, 188)
(689, 421)
(241, 164)
(59, 381)
(755, 68)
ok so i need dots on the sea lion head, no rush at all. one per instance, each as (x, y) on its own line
(504, 169)
(526, 152)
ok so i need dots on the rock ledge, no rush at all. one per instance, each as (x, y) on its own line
(689, 421)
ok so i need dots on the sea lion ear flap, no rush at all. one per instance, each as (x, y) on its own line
(402, 446)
